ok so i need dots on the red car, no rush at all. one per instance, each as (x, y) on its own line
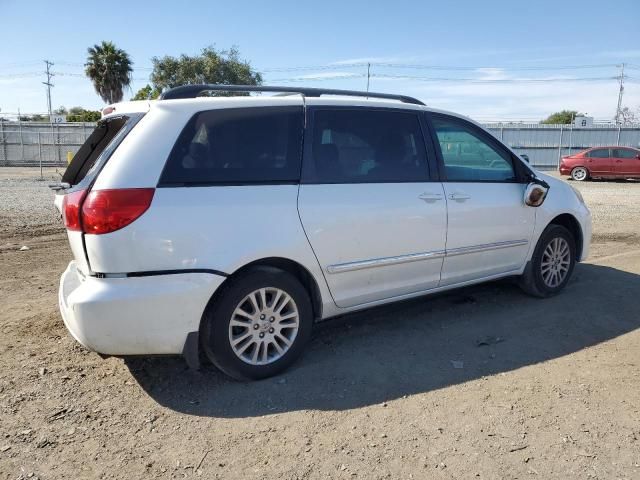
(602, 162)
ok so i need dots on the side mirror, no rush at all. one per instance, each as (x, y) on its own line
(525, 157)
(535, 193)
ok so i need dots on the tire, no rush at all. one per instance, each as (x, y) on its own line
(264, 304)
(580, 174)
(536, 279)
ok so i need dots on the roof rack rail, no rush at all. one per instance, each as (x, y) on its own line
(192, 91)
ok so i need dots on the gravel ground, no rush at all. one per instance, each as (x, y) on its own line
(26, 203)
(483, 382)
(615, 206)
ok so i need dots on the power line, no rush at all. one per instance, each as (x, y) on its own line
(20, 75)
(311, 78)
(338, 65)
(335, 66)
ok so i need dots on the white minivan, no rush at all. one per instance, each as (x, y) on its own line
(229, 225)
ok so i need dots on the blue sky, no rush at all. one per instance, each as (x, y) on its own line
(491, 60)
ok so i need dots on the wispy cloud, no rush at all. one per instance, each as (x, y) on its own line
(389, 59)
(492, 74)
(326, 75)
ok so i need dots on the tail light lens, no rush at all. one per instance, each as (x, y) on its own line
(105, 211)
(71, 205)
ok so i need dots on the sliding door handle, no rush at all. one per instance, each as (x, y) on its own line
(459, 196)
(430, 197)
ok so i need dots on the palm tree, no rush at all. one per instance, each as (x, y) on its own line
(109, 68)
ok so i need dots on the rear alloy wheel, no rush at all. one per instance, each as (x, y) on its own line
(580, 174)
(259, 325)
(552, 263)
(263, 326)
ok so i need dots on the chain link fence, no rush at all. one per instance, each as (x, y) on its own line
(34, 143)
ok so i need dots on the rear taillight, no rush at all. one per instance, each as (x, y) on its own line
(105, 211)
(71, 205)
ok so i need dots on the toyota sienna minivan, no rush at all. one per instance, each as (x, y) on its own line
(229, 225)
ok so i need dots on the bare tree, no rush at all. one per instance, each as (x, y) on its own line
(628, 116)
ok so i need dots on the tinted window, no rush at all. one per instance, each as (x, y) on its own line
(599, 153)
(248, 145)
(356, 146)
(85, 161)
(624, 153)
(467, 156)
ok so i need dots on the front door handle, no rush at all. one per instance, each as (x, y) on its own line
(459, 196)
(430, 197)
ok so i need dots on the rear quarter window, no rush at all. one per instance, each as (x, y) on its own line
(237, 146)
(96, 150)
(599, 153)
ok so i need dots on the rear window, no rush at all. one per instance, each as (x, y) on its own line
(237, 146)
(599, 153)
(97, 149)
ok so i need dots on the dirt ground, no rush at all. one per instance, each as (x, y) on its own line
(405, 391)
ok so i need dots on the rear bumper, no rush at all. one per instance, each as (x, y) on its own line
(135, 315)
(564, 170)
(585, 222)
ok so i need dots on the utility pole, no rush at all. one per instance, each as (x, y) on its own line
(48, 84)
(620, 92)
(368, 75)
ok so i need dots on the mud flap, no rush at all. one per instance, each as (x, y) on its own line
(190, 350)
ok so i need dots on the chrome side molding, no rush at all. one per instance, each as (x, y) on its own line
(485, 248)
(415, 257)
(385, 261)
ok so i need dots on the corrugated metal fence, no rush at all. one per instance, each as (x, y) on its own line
(545, 144)
(29, 143)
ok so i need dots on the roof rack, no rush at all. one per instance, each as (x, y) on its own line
(192, 91)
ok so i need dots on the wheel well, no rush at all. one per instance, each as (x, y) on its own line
(569, 222)
(295, 269)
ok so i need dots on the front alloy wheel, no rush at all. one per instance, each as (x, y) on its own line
(552, 263)
(555, 263)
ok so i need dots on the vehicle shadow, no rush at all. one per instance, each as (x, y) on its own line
(412, 347)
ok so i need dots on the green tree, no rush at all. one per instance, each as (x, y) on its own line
(563, 117)
(109, 68)
(146, 93)
(211, 66)
(34, 118)
(79, 114)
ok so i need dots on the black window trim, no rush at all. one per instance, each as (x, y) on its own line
(195, 184)
(522, 172)
(308, 166)
(131, 120)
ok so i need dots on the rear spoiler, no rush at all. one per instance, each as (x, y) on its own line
(122, 108)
